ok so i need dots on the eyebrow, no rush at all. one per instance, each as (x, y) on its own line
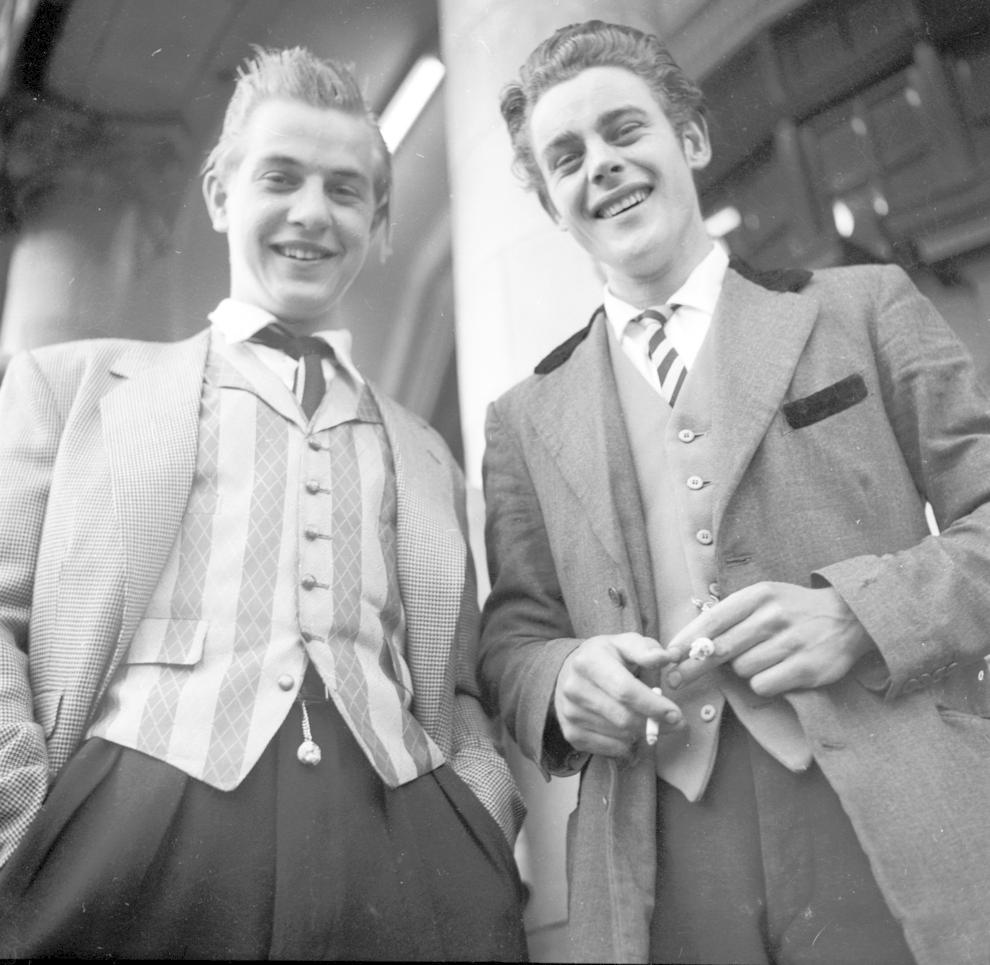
(286, 160)
(604, 120)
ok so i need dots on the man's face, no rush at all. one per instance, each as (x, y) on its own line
(298, 208)
(621, 179)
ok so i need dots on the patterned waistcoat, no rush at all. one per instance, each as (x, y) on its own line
(285, 555)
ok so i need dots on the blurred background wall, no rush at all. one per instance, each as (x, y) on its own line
(844, 131)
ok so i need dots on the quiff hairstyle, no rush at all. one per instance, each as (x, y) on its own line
(575, 48)
(297, 74)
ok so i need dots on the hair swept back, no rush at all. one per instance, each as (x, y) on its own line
(296, 74)
(575, 48)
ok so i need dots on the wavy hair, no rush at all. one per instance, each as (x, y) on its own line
(575, 48)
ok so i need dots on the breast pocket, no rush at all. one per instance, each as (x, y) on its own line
(826, 402)
(168, 641)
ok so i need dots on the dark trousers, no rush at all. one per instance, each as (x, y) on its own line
(130, 858)
(766, 868)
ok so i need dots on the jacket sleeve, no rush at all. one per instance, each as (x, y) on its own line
(30, 428)
(527, 633)
(475, 755)
(927, 607)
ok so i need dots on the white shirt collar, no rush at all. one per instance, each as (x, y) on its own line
(700, 291)
(237, 321)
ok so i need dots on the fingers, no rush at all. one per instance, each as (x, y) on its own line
(779, 636)
(600, 703)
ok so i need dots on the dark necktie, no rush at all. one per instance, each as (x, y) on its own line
(665, 358)
(310, 351)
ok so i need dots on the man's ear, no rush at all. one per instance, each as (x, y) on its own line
(695, 143)
(215, 195)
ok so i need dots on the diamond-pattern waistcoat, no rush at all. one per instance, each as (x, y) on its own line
(286, 553)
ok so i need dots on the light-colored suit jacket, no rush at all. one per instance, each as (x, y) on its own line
(98, 443)
(839, 410)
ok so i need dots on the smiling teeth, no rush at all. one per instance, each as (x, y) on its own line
(303, 254)
(617, 207)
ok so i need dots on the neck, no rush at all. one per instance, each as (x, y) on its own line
(655, 288)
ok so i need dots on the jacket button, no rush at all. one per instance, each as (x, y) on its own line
(617, 596)
(686, 435)
(708, 713)
(704, 536)
(695, 482)
(286, 681)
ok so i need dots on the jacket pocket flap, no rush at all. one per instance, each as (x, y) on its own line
(825, 402)
(159, 640)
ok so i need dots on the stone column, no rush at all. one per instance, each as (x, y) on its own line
(521, 285)
(92, 202)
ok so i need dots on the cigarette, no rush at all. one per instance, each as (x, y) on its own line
(653, 725)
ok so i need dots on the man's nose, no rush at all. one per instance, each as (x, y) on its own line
(603, 160)
(310, 205)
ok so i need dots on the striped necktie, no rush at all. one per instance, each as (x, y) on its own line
(665, 358)
(310, 351)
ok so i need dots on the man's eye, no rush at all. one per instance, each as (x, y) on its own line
(346, 191)
(628, 131)
(566, 162)
(277, 178)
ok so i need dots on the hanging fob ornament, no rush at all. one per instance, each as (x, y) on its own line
(309, 752)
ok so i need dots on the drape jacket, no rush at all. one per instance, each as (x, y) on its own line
(98, 444)
(842, 404)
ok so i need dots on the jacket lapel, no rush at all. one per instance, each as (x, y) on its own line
(150, 429)
(431, 556)
(759, 336)
(577, 413)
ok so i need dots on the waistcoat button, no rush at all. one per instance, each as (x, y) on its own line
(695, 482)
(686, 435)
(286, 681)
(708, 713)
(704, 536)
(308, 582)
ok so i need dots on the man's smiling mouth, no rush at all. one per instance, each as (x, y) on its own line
(623, 204)
(302, 252)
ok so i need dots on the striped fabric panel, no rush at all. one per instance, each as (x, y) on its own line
(259, 578)
(363, 584)
(183, 586)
